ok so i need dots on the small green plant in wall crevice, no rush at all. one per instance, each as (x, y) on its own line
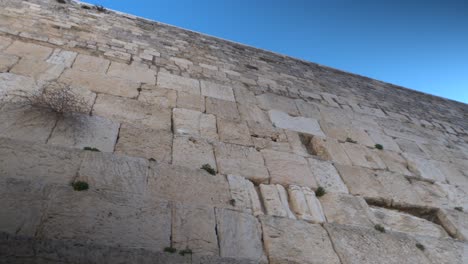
(209, 169)
(170, 250)
(379, 146)
(91, 149)
(350, 140)
(458, 208)
(80, 186)
(320, 192)
(379, 228)
(186, 251)
(420, 246)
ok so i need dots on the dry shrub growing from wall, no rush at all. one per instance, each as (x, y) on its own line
(57, 97)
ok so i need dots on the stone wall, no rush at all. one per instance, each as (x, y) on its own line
(163, 102)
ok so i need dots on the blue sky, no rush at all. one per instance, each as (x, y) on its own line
(422, 45)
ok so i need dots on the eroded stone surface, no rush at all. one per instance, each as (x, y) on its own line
(217, 91)
(178, 83)
(192, 152)
(346, 209)
(286, 169)
(80, 131)
(298, 124)
(91, 64)
(305, 204)
(244, 195)
(327, 176)
(240, 160)
(194, 123)
(30, 50)
(361, 246)
(133, 72)
(239, 235)
(289, 241)
(234, 132)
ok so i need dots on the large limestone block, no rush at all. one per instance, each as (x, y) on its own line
(26, 123)
(363, 157)
(163, 98)
(253, 114)
(360, 181)
(193, 123)
(234, 132)
(327, 176)
(444, 251)
(13, 84)
(239, 234)
(131, 111)
(145, 142)
(139, 73)
(357, 245)
(287, 168)
(454, 174)
(6, 61)
(107, 218)
(192, 152)
(275, 199)
(408, 146)
(62, 57)
(431, 195)
(194, 227)
(455, 222)
(23, 203)
(386, 141)
(456, 196)
(406, 223)
(191, 101)
(394, 162)
(28, 50)
(79, 131)
(298, 124)
(244, 194)
(178, 83)
(308, 109)
(269, 101)
(347, 210)
(109, 171)
(38, 69)
(187, 185)
(100, 83)
(424, 168)
(91, 64)
(38, 162)
(218, 91)
(290, 241)
(305, 204)
(329, 149)
(241, 160)
(5, 42)
(222, 108)
(342, 133)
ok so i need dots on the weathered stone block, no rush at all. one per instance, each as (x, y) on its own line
(13, 84)
(100, 83)
(362, 156)
(387, 142)
(327, 176)
(244, 194)
(26, 123)
(308, 109)
(342, 133)
(145, 142)
(287, 168)
(139, 73)
(163, 98)
(305, 204)
(394, 162)
(191, 101)
(5, 42)
(239, 234)
(192, 152)
(222, 108)
(108, 219)
(298, 124)
(23, 204)
(347, 210)
(91, 64)
(80, 130)
(444, 251)
(365, 246)
(455, 222)
(131, 111)
(240, 160)
(275, 200)
(218, 91)
(329, 149)
(234, 132)
(406, 223)
(194, 123)
(187, 185)
(62, 57)
(28, 50)
(178, 83)
(290, 241)
(424, 168)
(38, 69)
(6, 61)
(194, 227)
(269, 101)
